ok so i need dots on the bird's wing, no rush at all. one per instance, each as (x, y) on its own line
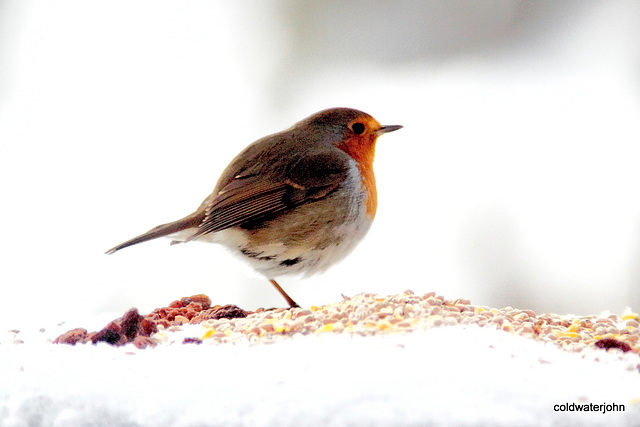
(249, 197)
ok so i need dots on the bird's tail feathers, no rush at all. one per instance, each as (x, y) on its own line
(190, 221)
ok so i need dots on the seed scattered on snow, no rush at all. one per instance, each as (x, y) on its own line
(369, 314)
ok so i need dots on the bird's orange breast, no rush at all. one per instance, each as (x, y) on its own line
(362, 149)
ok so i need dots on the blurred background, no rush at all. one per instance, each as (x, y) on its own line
(515, 182)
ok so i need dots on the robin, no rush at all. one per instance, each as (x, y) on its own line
(293, 202)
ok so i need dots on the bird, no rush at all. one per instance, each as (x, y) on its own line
(294, 202)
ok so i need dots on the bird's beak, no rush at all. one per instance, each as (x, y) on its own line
(387, 129)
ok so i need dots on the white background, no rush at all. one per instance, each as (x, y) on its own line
(515, 181)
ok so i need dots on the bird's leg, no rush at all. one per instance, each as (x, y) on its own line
(291, 302)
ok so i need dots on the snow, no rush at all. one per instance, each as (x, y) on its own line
(460, 375)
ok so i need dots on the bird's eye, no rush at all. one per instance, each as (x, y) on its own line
(358, 128)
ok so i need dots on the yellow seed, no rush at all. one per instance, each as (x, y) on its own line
(567, 334)
(479, 310)
(281, 328)
(326, 328)
(630, 316)
(227, 332)
(575, 327)
(315, 308)
(209, 333)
